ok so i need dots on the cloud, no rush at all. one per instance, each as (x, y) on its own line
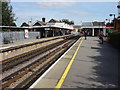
(55, 4)
(75, 13)
(80, 13)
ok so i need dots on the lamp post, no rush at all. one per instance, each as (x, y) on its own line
(114, 20)
(29, 24)
(108, 23)
(108, 29)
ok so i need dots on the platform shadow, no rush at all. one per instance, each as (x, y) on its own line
(107, 66)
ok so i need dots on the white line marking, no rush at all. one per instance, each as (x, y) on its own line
(38, 80)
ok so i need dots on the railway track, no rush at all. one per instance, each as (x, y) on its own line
(23, 71)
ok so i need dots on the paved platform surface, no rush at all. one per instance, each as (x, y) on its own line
(95, 66)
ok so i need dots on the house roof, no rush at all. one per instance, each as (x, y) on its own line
(88, 24)
(84, 24)
(53, 20)
(40, 23)
(98, 23)
(76, 26)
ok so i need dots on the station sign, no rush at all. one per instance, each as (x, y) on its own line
(26, 33)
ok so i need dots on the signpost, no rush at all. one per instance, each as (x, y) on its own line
(26, 33)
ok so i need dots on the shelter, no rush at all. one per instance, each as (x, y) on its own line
(94, 28)
(46, 29)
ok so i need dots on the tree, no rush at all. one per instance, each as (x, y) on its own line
(110, 24)
(13, 24)
(71, 22)
(7, 14)
(0, 13)
(67, 21)
(24, 24)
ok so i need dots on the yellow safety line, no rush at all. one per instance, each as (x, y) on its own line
(68, 68)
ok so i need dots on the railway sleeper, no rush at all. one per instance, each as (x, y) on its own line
(56, 50)
(24, 55)
(33, 76)
(27, 57)
(31, 68)
(8, 60)
(27, 84)
(42, 58)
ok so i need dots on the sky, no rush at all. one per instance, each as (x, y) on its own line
(76, 11)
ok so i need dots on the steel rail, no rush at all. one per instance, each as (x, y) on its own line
(33, 65)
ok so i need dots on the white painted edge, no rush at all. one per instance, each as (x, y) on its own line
(38, 80)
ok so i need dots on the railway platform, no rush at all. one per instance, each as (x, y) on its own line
(87, 64)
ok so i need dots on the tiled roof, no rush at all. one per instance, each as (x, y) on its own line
(87, 24)
(40, 23)
(98, 23)
(53, 20)
(76, 26)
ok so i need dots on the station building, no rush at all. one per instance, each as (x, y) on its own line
(45, 29)
(94, 28)
(77, 29)
(52, 28)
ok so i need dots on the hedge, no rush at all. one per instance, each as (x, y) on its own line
(114, 39)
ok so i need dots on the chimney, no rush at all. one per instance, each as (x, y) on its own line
(43, 19)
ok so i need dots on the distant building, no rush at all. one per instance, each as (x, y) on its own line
(52, 28)
(39, 23)
(47, 29)
(55, 23)
(94, 28)
(76, 28)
